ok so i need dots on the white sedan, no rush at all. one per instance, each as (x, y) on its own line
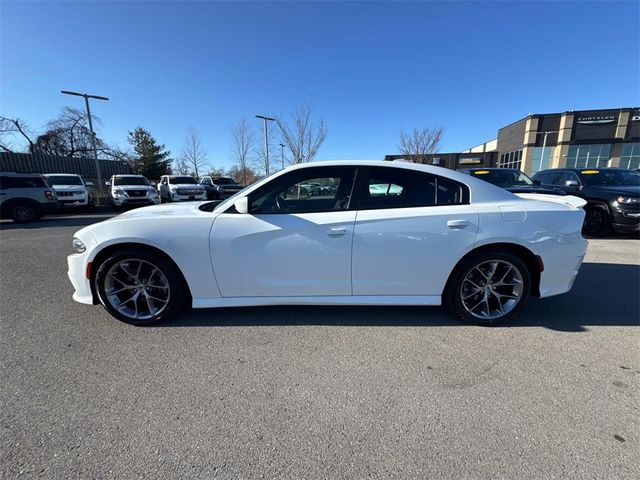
(390, 233)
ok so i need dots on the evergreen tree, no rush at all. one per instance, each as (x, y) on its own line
(149, 158)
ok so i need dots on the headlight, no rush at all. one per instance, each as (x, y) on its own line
(173, 188)
(118, 191)
(152, 193)
(627, 200)
(77, 246)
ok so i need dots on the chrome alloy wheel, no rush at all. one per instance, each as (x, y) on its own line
(491, 289)
(137, 289)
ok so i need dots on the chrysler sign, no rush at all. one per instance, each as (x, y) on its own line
(596, 119)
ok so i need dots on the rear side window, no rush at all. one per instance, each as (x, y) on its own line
(23, 182)
(399, 188)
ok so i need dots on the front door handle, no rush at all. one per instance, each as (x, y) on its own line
(336, 231)
(458, 224)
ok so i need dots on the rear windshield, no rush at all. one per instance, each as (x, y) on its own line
(603, 178)
(223, 181)
(183, 180)
(64, 180)
(130, 181)
(503, 178)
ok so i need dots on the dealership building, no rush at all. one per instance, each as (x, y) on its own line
(573, 139)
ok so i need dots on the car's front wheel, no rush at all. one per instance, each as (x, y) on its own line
(139, 287)
(597, 222)
(489, 288)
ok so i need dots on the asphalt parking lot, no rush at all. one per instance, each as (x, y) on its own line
(316, 392)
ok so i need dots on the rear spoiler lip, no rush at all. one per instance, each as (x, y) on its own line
(571, 200)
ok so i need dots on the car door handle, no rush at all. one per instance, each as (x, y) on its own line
(336, 231)
(458, 224)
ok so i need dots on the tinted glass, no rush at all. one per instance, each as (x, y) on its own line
(23, 182)
(184, 180)
(503, 177)
(551, 178)
(396, 188)
(315, 190)
(130, 181)
(64, 180)
(223, 181)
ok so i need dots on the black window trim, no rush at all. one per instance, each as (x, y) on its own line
(363, 177)
(302, 172)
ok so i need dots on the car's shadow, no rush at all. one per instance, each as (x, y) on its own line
(604, 295)
(79, 220)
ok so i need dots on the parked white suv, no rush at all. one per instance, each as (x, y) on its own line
(177, 188)
(131, 190)
(71, 189)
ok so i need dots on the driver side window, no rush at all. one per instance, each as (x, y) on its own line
(311, 190)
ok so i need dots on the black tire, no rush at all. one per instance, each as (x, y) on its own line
(177, 288)
(453, 295)
(597, 221)
(24, 212)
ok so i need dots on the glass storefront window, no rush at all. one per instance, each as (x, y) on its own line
(630, 157)
(511, 160)
(540, 161)
(596, 155)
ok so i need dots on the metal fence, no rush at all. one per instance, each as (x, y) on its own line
(37, 163)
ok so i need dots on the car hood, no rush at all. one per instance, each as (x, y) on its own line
(619, 190)
(134, 187)
(161, 211)
(66, 188)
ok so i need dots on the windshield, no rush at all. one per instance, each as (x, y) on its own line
(503, 178)
(603, 178)
(130, 181)
(183, 180)
(223, 181)
(64, 180)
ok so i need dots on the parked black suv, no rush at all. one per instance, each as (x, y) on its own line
(612, 195)
(219, 188)
(510, 179)
(26, 197)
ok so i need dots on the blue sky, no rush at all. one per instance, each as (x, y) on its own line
(370, 69)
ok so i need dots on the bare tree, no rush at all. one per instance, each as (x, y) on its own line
(9, 129)
(242, 140)
(303, 136)
(193, 157)
(420, 143)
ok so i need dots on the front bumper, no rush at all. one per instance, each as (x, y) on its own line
(74, 201)
(125, 201)
(626, 219)
(185, 198)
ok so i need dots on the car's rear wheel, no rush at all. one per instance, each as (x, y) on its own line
(23, 212)
(488, 288)
(139, 287)
(597, 222)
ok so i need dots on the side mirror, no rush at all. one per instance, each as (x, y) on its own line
(108, 184)
(572, 184)
(90, 184)
(242, 205)
(153, 184)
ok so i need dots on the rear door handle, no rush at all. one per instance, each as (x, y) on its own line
(336, 231)
(458, 224)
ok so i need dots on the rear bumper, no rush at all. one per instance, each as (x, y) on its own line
(561, 268)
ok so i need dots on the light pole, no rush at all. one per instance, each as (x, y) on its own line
(282, 153)
(93, 135)
(266, 141)
(544, 144)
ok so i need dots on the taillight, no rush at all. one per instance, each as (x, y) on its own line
(50, 195)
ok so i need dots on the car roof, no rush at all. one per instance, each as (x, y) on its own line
(62, 175)
(128, 175)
